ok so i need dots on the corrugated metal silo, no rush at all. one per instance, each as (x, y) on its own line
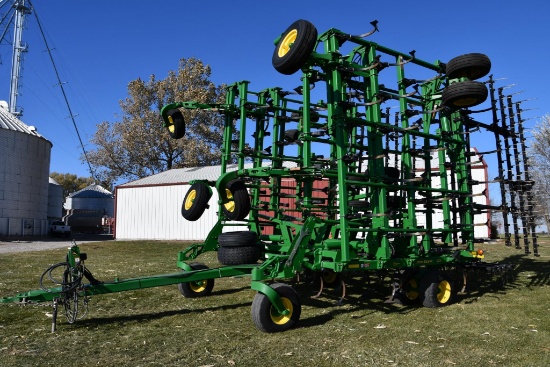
(55, 200)
(24, 177)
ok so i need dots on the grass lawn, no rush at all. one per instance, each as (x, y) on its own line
(495, 324)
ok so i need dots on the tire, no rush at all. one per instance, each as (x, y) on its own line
(464, 94)
(294, 47)
(176, 124)
(292, 135)
(267, 319)
(330, 278)
(199, 288)
(239, 205)
(195, 201)
(392, 175)
(238, 255)
(472, 66)
(436, 289)
(410, 290)
(238, 239)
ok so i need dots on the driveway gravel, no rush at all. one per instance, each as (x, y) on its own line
(38, 243)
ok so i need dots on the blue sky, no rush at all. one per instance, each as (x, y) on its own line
(99, 46)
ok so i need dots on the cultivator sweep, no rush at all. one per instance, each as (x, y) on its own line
(334, 182)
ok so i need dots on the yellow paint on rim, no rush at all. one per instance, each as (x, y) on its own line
(329, 276)
(199, 286)
(190, 199)
(287, 42)
(279, 319)
(412, 290)
(444, 294)
(230, 206)
(171, 127)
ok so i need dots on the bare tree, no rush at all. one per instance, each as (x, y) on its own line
(539, 160)
(138, 146)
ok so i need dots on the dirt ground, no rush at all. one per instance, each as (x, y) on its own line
(38, 243)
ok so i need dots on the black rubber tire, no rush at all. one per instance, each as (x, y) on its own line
(330, 278)
(239, 207)
(472, 66)
(392, 175)
(292, 135)
(436, 289)
(195, 201)
(464, 94)
(294, 47)
(176, 125)
(266, 319)
(238, 255)
(410, 294)
(199, 288)
(238, 239)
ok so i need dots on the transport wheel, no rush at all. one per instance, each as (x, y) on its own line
(195, 201)
(238, 206)
(330, 278)
(409, 286)
(238, 239)
(176, 124)
(292, 135)
(238, 255)
(294, 47)
(436, 290)
(464, 94)
(267, 319)
(199, 288)
(472, 66)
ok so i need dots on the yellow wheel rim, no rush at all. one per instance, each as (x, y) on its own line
(282, 319)
(171, 127)
(230, 206)
(444, 294)
(198, 287)
(329, 277)
(412, 290)
(287, 42)
(190, 199)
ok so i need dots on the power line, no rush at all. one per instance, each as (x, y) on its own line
(71, 115)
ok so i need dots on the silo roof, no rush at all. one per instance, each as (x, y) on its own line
(10, 122)
(92, 192)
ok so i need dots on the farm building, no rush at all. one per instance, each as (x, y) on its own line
(150, 208)
(88, 208)
(24, 177)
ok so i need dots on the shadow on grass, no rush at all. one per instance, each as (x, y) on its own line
(122, 319)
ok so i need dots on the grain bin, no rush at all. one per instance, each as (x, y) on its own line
(24, 170)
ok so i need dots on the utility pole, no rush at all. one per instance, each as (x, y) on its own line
(21, 10)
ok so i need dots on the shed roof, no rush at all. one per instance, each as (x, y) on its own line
(184, 175)
(92, 192)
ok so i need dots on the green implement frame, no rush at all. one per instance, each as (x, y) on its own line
(331, 182)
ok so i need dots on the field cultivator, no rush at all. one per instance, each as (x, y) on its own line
(332, 183)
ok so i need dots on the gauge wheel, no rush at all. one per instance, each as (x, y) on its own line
(294, 47)
(464, 94)
(410, 288)
(239, 255)
(199, 288)
(238, 206)
(238, 239)
(472, 66)
(330, 278)
(195, 201)
(436, 289)
(175, 124)
(265, 316)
